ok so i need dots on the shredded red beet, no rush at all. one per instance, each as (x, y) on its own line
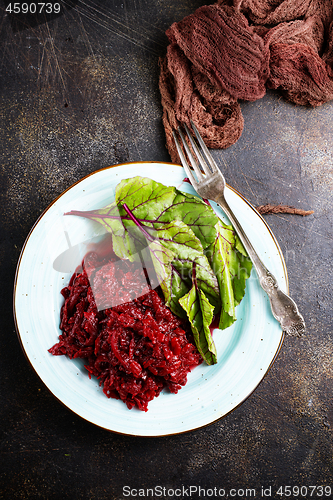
(135, 348)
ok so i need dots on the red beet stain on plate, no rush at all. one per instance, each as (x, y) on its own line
(129, 339)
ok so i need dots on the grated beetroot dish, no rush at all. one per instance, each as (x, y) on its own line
(135, 348)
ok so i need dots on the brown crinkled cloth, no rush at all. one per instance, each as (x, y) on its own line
(234, 50)
(282, 209)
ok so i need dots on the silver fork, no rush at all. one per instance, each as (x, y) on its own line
(210, 184)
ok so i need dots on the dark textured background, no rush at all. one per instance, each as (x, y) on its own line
(80, 92)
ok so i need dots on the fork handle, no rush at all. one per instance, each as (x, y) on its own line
(283, 307)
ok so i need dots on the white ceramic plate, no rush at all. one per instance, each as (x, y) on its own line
(245, 351)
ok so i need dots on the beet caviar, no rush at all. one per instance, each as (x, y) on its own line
(136, 347)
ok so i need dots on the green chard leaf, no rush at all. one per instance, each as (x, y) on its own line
(200, 315)
(195, 213)
(187, 248)
(179, 288)
(206, 279)
(162, 258)
(145, 198)
(240, 270)
(218, 254)
(154, 205)
(231, 268)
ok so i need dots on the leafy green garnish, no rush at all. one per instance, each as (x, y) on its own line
(232, 267)
(200, 314)
(199, 261)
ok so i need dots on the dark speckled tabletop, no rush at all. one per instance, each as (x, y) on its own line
(78, 93)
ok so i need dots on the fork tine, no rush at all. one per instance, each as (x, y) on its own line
(190, 156)
(186, 166)
(197, 151)
(204, 148)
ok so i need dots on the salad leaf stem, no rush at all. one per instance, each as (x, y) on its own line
(137, 223)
